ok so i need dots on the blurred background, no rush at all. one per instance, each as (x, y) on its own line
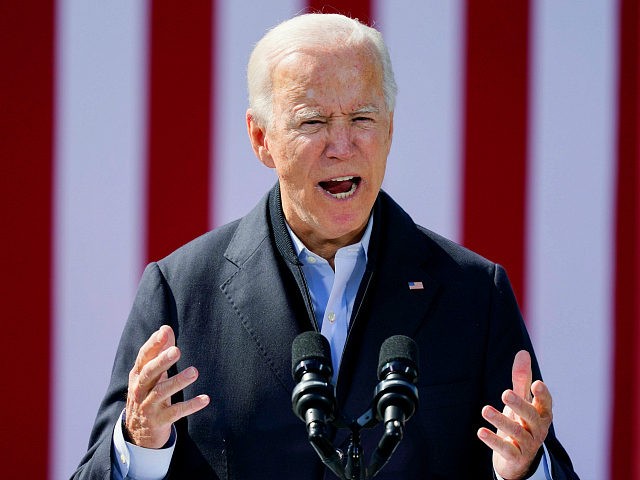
(122, 136)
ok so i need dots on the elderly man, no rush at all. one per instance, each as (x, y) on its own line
(201, 384)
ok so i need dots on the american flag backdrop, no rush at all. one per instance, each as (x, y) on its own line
(122, 135)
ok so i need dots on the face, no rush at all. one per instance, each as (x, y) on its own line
(328, 142)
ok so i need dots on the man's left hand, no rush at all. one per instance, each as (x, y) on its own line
(523, 424)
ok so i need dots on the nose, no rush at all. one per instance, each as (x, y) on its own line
(340, 141)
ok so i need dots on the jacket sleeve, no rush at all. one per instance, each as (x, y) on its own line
(508, 335)
(153, 307)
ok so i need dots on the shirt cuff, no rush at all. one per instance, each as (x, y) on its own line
(141, 463)
(544, 468)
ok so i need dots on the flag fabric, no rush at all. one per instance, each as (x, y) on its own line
(122, 136)
(416, 286)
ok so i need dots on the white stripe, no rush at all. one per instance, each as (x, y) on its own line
(100, 137)
(571, 245)
(425, 39)
(239, 179)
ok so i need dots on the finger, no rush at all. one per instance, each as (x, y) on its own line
(521, 375)
(166, 388)
(159, 341)
(521, 409)
(508, 428)
(182, 409)
(542, 399)
(152, 372)
(543, 403)
(503, 447)
(536, 419)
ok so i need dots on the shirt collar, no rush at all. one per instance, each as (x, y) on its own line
(300, 247)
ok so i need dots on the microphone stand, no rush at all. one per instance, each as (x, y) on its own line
(353, 470)
(393, 433)
(330, 456)
(351, 465)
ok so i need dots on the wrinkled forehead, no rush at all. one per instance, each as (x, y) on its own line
(306, 72)
(317, 58)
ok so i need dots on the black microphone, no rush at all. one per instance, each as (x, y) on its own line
(395, 397)
(313, 398)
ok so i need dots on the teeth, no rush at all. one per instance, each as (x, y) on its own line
(345, 194)
(341, 179)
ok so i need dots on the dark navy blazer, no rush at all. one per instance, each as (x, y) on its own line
(236, 299)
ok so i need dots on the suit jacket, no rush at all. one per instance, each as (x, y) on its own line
(236, 298)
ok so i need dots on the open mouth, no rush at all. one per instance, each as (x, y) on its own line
(341, 187)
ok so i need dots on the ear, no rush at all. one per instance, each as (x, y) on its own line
(390, 132)
(258, 137)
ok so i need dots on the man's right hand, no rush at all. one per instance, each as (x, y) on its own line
(149, 412)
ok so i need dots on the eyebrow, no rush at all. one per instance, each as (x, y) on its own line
(307, 113)
(367, 109)
(310, 113)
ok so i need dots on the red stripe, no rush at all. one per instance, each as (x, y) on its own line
(180, 97)
(360, 9)
(26, 150)
(625, 441)
(495, 133)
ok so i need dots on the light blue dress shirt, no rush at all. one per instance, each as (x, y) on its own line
(333, 294)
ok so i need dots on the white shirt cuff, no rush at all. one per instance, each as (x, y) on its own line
(544, 468)
(141, 463)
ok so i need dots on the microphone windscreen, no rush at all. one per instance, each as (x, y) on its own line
(310, 345)
(400, 348)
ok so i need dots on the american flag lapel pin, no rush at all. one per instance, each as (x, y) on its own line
(416, 286)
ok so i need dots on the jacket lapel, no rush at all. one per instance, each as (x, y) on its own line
(258, 294)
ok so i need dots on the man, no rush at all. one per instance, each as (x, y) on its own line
(327, 250)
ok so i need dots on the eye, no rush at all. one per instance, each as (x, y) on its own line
(312, 124)
(363, 119)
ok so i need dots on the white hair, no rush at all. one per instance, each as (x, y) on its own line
(312, 30)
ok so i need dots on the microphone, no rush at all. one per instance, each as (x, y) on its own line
(313, 398)
(395, 397)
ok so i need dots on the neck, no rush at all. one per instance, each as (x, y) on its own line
(327, 248)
